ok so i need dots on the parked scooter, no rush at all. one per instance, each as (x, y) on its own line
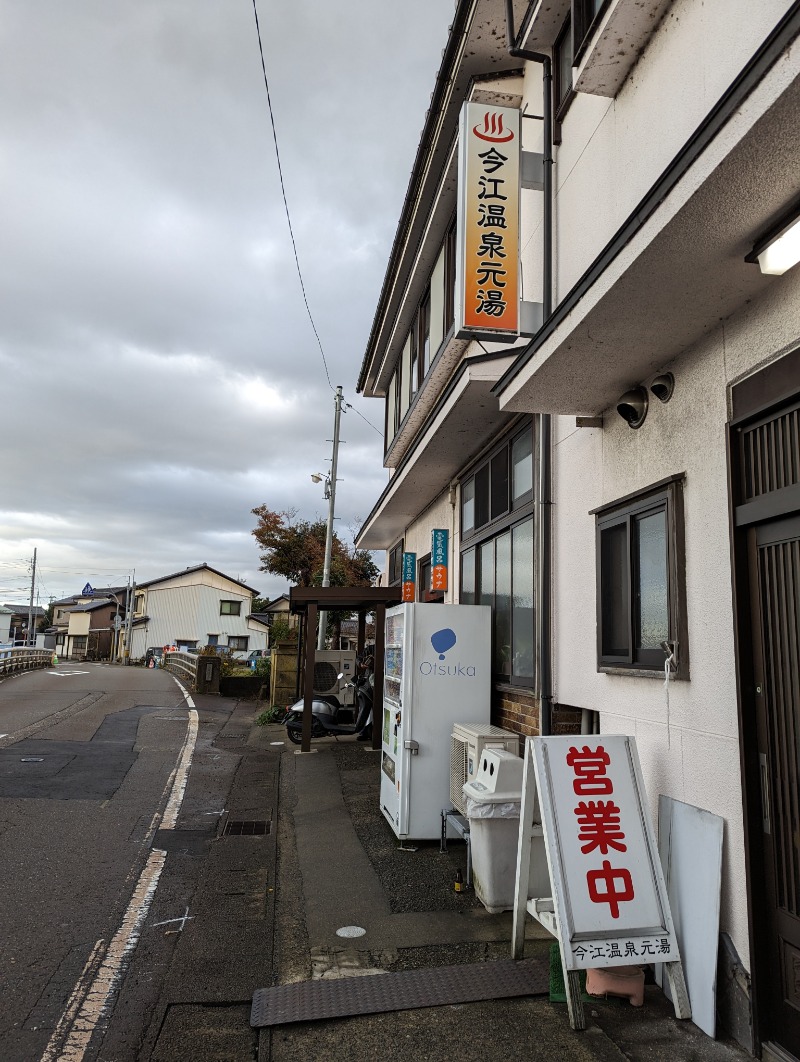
(325, 715)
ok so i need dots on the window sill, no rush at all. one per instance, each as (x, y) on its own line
(636, 672)
(507, 687)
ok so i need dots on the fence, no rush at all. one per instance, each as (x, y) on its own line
(24, 659)
(184, 665)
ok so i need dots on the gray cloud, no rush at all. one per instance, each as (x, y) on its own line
(158, 375)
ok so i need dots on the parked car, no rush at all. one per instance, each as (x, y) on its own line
(154, 652)
(254, 657)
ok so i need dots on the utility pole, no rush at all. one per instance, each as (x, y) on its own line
(31, 633)
(326, 572)
(131, 604)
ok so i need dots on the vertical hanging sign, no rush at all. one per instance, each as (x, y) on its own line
(439, 559)
(409, 576)
(487, 262)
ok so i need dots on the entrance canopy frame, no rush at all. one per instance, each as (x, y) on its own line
(307, 602)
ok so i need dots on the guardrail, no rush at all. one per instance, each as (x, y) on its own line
(184, 665)
(24, 659)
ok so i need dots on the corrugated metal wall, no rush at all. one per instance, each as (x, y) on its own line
(192, 613)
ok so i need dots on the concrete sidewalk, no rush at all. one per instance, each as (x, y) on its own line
(339, 865)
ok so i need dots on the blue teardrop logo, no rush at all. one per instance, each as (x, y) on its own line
(443, 640)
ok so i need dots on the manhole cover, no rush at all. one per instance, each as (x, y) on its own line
(350, 931)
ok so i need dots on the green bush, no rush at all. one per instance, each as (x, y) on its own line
(270, 715)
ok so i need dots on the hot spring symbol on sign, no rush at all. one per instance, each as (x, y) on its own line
(443, 640)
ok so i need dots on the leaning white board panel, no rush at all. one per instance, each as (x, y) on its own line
(690, 846)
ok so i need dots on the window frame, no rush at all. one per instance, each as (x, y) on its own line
(584, 23)
(406, 390)
(517, 513)
(230, 611)
(394, 561)
(484, 464)
(666, 496)
(424, 580)
(562, 98)
(237, 639)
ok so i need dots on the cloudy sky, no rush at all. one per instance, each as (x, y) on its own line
(158, 373)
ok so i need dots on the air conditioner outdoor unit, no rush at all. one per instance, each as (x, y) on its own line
(328, 665)
(467, 746)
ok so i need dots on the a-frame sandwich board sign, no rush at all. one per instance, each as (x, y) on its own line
(608, 903)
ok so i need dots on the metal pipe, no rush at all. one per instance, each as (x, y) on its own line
(544, 491)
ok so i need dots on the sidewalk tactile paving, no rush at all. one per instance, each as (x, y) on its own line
(410, 990)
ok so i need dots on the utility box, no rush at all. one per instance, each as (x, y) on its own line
(467, 744)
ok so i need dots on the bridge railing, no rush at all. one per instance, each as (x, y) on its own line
(184, 666)
(24, 658)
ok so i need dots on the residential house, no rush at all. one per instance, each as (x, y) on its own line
(85, 625)
(622, 483)
(193, 608)
(18, 625)
(5, 625)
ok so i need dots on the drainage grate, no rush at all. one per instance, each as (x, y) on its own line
(246, 828)
(412, 989)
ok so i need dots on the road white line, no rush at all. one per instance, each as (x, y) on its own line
(90, 1000)
(73, 1033)
(181, 775)
(74, 1003)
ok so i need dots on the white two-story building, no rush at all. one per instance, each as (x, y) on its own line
(620, 477)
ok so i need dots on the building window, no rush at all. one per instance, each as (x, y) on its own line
(79, 643)
(212, 639)
(497, 553)
(425, 591)
(138, 604)
(425, 338)
(230, 608)
(585, 16)
(450, 279)
(419, 349)
(641, 598)
(238, 644)
(396, 564)
(502, 483)
(414, 363)
(563, 93)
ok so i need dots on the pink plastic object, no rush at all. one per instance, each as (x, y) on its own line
(625, 981)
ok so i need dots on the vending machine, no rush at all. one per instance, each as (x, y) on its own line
(437, 672)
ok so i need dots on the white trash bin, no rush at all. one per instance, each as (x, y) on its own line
(494, 798)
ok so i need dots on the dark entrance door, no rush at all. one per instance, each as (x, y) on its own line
(774, 554)
(765, 440)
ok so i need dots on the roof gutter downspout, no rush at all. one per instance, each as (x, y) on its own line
(544, 467)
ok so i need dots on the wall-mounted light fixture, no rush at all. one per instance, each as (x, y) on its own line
(632, 406)
(779, 249)
(663, 386)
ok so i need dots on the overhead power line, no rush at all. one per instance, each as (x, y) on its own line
(289, 222)
(285, 201)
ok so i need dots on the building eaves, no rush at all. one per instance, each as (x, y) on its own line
(194, 568)
(465, 56)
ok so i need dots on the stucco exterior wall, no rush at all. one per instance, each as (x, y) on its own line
(613, 150)
(418, 536)
(697, 760)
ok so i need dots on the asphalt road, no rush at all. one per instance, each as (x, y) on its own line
(91, 759)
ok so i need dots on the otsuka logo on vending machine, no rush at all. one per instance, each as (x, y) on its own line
(442, 642)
